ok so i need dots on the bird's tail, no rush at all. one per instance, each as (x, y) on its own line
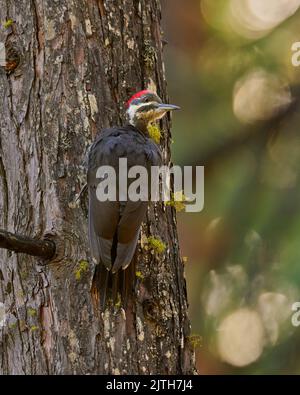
(115, 271)
(124, 254)
(113, 289)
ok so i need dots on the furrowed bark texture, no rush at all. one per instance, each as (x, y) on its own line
(80, 61)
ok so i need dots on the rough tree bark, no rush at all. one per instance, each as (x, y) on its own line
(79, 62)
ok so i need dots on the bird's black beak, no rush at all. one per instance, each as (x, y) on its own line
(167, 107)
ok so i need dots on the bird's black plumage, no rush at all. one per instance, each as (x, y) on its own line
(114, 224)
(114, 227)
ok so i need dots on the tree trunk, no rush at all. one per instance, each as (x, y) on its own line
(79, 63)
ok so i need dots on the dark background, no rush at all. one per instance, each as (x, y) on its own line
(229, 67)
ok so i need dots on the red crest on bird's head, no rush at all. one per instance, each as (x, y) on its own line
(137, 96)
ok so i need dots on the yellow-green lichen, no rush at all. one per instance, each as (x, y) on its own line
(156, 245)
(34, 328)
(178, 201)
(31, 312)
(195, 341)
(154, 133)
(24, 274)
(8, 23)
(13, 325)
(119, 301)
(139, 275)
(81, 268)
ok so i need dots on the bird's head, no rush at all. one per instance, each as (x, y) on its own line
(145, 107)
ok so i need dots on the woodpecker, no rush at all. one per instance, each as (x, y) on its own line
(114, 226)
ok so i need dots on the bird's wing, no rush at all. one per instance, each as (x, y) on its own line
(133, 213)
(103, 216)
(128, 232)
(103, 223)
(115, 222)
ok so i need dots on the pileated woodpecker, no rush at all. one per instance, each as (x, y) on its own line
(114, 226)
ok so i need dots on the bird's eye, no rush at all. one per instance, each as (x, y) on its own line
(146, 100)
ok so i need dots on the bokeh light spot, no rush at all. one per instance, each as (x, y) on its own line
(274, 309)
(259, 96)
(240, 338)
(253, 19)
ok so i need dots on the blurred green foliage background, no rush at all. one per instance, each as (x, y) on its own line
(229, 66)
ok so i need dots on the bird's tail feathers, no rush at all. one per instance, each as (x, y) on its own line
(125, 253)
(114, 289)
